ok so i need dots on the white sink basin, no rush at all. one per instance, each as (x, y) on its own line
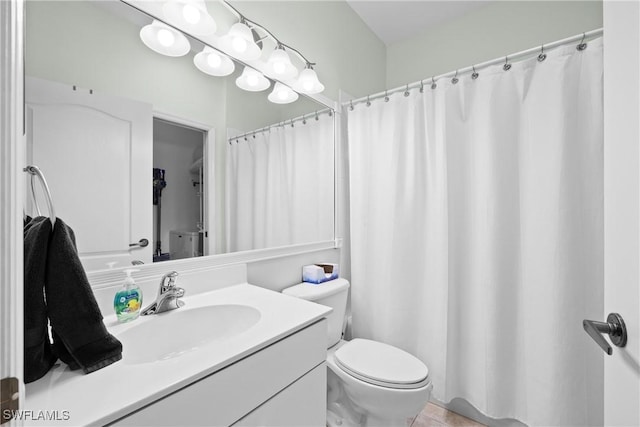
(170, 334)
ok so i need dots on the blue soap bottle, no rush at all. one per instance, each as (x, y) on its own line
(128, 300)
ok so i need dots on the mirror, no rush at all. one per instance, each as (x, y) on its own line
(122, 133)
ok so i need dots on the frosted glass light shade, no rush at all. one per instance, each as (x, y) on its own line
(279, 65)
(214, 63)
(165, 40)
(252, 80)
(308, 82)
(240, 44)
(190, 15)
(282, 94)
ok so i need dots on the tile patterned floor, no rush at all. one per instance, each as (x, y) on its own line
(435, 416)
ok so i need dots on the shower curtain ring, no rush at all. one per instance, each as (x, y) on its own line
(421, 86)
(542, 55)
(386, 96)
(582, 46)
(368, 101)
(506, 65)
(406, 91)
(351, 105)
(316, 116)
(304, 120)
(433, 83)
(475, 74)
(455, 79)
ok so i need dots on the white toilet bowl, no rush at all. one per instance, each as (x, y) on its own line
(356, 400)
(368, 383)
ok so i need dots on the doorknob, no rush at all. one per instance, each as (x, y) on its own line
(614, 327)
(142, 243)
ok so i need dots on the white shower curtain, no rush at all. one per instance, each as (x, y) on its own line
(280, 186)
(477, 234)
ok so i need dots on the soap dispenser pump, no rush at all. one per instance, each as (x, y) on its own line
(128, 299)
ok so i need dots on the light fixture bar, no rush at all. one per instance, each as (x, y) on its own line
(269, 33)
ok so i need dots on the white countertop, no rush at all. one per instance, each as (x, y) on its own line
(121, 388)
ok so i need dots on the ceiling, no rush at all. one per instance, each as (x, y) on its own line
(393, 21)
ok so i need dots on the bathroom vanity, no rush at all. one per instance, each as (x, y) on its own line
(238, 355)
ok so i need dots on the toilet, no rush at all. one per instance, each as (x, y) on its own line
(369, 383)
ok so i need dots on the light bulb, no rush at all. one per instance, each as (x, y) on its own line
(252, 80)
(239, 44)
(214, 60)
(166, 37)
(279, 67)
(282, 95)
(191, 14)
(307, 84)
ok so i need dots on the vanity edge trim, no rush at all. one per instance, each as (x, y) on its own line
(106, 278)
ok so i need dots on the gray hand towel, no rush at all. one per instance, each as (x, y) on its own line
(80, 338)
(38, 357)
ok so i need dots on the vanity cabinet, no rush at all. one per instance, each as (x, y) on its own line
(279, 385)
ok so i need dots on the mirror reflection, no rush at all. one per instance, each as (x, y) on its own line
(139, 147)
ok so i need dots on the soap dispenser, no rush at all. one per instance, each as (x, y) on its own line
(128, 299)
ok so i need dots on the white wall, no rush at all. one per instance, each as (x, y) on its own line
(173, 151)
(489, 32)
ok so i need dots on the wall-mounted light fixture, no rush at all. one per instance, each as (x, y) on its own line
(252, 80)
(282, 94)
(191, 15)
(214, 63)
(164, 39)
(244, 41)
(308, 82)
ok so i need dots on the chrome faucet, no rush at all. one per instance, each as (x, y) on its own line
(168, 296)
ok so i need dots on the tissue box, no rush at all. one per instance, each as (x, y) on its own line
(318, 273)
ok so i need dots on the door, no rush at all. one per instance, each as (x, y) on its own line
(622, 206)
(96, 154)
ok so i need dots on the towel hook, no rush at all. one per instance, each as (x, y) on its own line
(34, 170)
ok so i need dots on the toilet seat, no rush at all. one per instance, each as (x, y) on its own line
(381, 364)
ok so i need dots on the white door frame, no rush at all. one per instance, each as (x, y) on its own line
(11, 191)
(622, 206)
(208, 162)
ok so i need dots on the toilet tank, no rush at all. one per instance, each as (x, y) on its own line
(332, 294)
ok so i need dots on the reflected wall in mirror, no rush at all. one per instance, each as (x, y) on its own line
(106, 114)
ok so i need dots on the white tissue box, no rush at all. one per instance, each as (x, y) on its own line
(318, 273)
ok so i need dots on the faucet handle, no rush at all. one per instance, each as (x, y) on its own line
(168, 281)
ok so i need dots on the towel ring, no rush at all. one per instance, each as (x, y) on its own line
(34, 170)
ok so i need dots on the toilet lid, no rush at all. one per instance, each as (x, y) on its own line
(381, 364)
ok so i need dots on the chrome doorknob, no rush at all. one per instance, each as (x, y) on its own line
(614, 327)
(142, 243)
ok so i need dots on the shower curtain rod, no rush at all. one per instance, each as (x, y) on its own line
(508, 59)
(302, 118)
